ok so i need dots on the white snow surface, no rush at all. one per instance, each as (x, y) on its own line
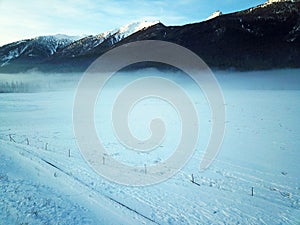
(126, 30)
(88, 43)
(50, 44)
(129, 29)
(214, 15)
(43, 185)
(73, 38)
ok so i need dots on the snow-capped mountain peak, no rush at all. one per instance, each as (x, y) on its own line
(63, 36)
(38, 47)
(214, 15)
(112, 36)
(276, 1)
(128, 29)
(134, 27)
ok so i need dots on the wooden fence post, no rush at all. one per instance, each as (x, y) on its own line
(11, 138)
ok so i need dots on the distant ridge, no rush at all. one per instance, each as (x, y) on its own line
(263, 37)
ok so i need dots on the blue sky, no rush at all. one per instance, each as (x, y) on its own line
(20, 19)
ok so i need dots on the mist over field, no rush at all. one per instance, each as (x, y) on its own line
(285, 79)
(37, 82)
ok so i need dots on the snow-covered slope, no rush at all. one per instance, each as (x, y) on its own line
(53, 43)
(214, 15)
(129, 29)
(39, 47)
(87, 44)
(44, 46)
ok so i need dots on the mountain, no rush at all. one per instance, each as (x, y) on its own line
(47, 51)
(34, 50)
(88, 44)
(263, 37)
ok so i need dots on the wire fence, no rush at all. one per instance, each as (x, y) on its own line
(256, 186)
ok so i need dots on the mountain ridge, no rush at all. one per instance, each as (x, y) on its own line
(266, 36)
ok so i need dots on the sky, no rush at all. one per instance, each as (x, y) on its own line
(23, 19)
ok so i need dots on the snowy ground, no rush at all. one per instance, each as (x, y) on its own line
(43, 185)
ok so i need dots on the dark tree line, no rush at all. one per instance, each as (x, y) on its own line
(17, 87)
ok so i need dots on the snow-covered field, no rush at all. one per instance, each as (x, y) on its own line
(45, 180)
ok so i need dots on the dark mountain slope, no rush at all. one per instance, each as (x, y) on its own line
(263, 37)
